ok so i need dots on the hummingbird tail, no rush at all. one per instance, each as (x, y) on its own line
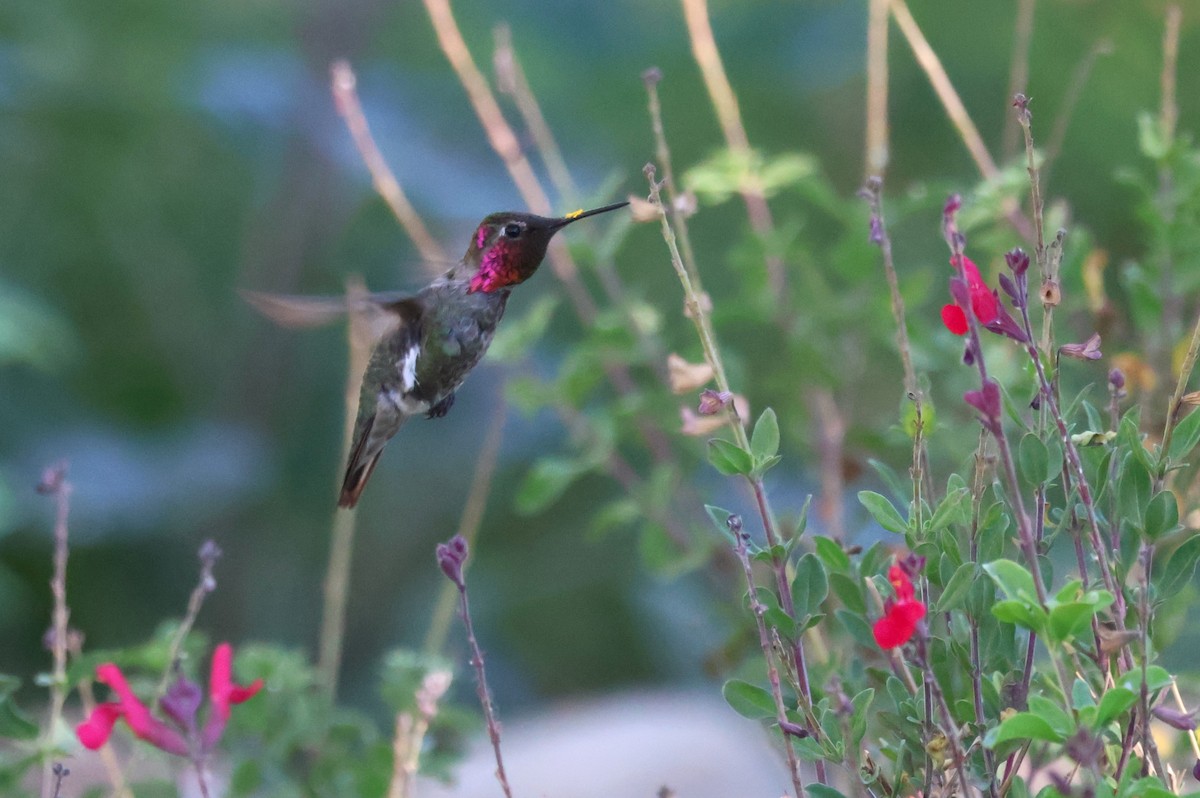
(359, 468)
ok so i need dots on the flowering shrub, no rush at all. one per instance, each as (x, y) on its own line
(180, 704)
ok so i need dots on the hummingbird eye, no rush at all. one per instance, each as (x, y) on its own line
(512, 230)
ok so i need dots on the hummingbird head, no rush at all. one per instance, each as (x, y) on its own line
(508, 247)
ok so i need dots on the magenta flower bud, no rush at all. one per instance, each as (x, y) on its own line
(1017, 261)
(450, 557)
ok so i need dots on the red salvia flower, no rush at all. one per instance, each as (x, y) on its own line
(984, 303)
(180, 705)
(900, 614)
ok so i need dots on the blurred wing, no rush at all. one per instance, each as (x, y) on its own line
(297, 311)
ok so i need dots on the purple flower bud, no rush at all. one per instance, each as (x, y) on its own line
(713, 402)
(876, 236)
(1116, 378)
(734, 522)
(1088, 350)
(1017, 261)
(1196, 770)
(1174, 718)
(1010, 288)
(951, 207)
(912, 565)
(987, 401)
(1004, 324)
(794, 729)
(450, 557)
(181, 703)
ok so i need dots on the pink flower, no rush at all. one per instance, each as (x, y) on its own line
(180, 705)
(901, 614)
(984, 303)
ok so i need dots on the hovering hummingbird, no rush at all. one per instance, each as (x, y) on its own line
(434, 338)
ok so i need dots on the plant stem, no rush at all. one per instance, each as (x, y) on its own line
(1176, 404)
(950, 727)
(209, 554)
(1018, 70)
(1046, 267)
(482, 689)
(54, 483)
(345, 100)
(703, 324)
(877, 146)
(341, 544)
(764, 639)
(708, 57)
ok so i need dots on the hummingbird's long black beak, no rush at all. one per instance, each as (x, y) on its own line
(577, 215)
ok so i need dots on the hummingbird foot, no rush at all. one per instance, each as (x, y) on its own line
(442, 407)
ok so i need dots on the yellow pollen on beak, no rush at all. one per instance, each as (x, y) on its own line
(574, 214)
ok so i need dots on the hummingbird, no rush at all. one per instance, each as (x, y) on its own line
(435, 337)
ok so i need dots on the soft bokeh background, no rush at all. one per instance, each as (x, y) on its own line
(155, 157)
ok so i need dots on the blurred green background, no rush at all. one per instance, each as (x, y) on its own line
(156, 157)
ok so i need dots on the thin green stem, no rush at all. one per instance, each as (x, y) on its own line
(341, 544)
(54, 483)
(703, 324)
(764, 639)
(1176, 404)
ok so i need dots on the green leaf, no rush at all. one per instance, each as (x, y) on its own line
(749, 700)
(1022, 726)
(832, 554)
(1019, 613)
(1185, 437)
(822, 791)
(954, 509)
(14, 723)
(849, 591)
(764, 442)
(859, 717)
(1157, 678)
(1114, 701)
(1180, 567)
(1072, 619)
(890, 477)
(882, 511)
(1033, 460)
(954, 595)
(766, 464)
(729, 458)
(1152, 141)
(858, 627)
(720, 519)
(545, 483)
(810, 586)
(1058, 718)
(1081, 694)
(1162, 515)
(1133, 489)
(1013, 579)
